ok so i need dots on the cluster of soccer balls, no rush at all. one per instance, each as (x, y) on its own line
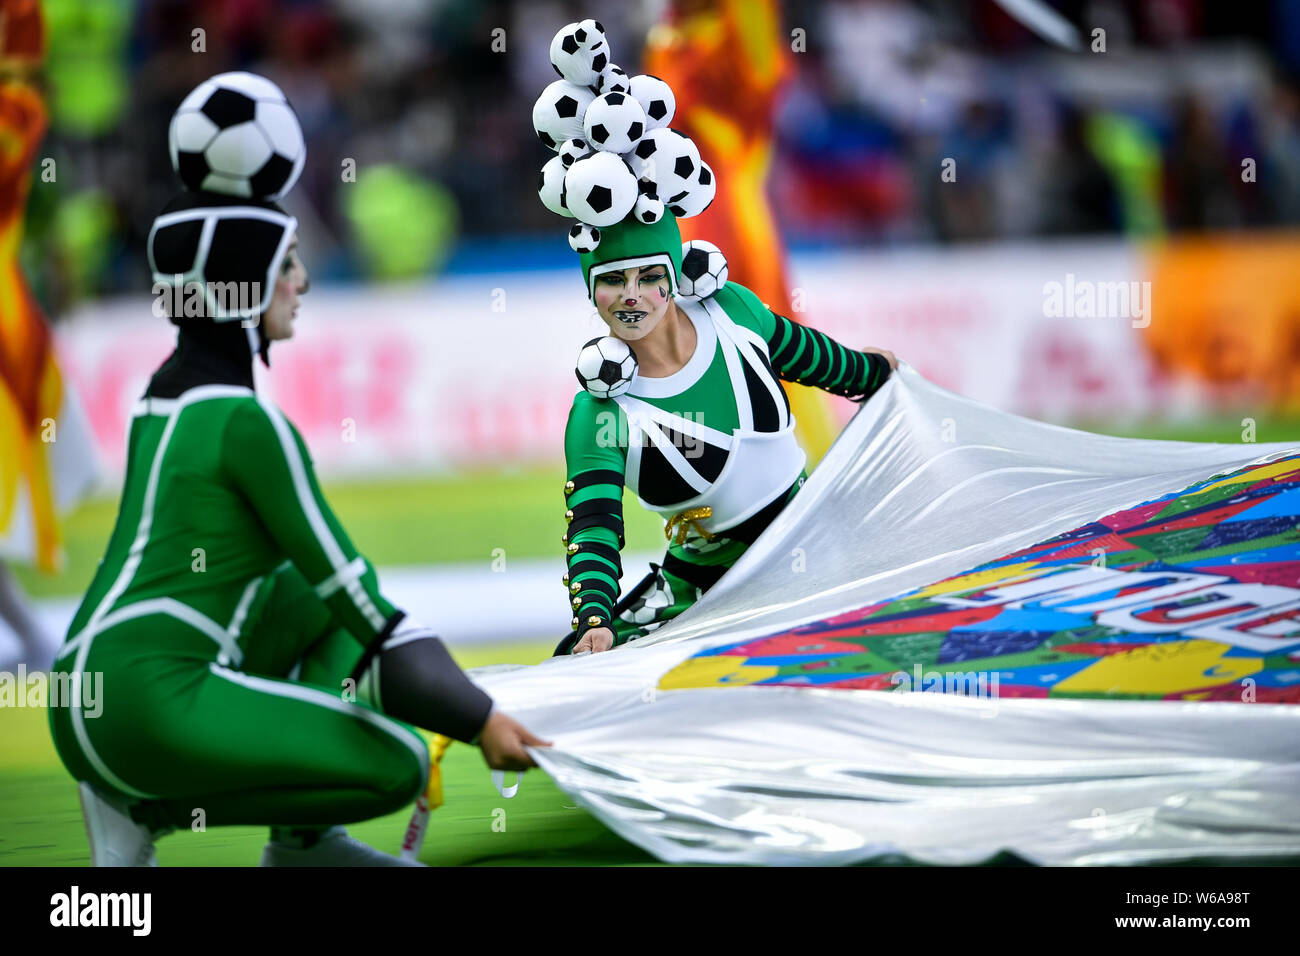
(236, 134)
(614, 152)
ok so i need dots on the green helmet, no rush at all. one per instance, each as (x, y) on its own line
(634, 243)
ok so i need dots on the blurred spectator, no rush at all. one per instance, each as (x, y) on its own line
(403, 224)
(1199, 176)
(1148, 134)
(1281, 147)
(1079, 194)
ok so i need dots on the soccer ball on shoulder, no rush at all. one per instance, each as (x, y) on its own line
(606, 367)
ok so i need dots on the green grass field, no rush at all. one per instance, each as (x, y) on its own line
(40, 820)
(465, 516)
(459, 518)
(408, 521)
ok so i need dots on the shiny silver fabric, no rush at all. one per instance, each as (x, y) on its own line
(923, 484)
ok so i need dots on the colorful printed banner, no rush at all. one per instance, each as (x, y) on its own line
(1193, 596)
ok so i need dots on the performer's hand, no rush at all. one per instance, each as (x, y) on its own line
(503, 740)
(597, 639)
(890, 357)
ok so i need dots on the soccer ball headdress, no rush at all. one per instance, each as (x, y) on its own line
(236, 134)
(236, 145)
(617, 162)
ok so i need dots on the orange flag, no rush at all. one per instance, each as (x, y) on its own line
(33, 400)
(725, 61)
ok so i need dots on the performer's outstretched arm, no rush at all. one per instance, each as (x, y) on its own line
(806, 356)
(809, 357)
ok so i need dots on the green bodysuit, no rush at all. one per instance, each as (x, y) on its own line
(226, 574)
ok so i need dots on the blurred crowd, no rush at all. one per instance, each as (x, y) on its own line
(1174, 115)
(904, 121)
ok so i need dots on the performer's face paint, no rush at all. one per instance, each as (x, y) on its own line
(290, 283)
(634, 301)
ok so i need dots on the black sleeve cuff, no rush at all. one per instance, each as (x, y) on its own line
(421, 684)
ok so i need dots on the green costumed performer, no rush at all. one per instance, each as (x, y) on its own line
(231, 619)
(682, 402)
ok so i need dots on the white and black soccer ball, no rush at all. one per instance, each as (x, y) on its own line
(580, 53)
(590, 34)
(644, 184)
(600, 189)
(237, 134)
(704, 269)
(572, 150)
(614, 122)
(606, 366)
(550, 186)
(698, 196)
(558, 112)
(583, 238)
(656, 98)
(612, 80)
(644, 609)
(648, 209)
(671, 159)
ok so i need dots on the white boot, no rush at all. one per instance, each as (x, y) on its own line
(115, 839)
(334, 848)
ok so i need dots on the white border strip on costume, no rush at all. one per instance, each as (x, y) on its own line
(236, 624)
(731, 331)
(136, 554)
(225, 212)
(674, 457)
(397, 641)
(211, 215)
(706, 344)
(771, 381)
(185, 613)
(616, 265)
(733, 358)
(344, 576)
(172, 608)
(686, 426)
(632, 461)
(320, 698)
(153, 406)
(333, 552)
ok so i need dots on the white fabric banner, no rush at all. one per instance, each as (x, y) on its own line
(923, 484)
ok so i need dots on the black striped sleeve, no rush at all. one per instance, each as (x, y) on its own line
(592, 540)
(809, 357)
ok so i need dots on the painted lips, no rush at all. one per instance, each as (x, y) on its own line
(629, 318)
